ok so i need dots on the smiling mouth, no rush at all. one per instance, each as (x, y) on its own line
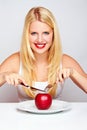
(40, 46)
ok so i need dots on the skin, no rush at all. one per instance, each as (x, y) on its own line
(41, 33)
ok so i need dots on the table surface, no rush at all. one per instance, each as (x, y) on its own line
(12, 119)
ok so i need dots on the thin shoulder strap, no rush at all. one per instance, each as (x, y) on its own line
(61, 65)
(20, 68)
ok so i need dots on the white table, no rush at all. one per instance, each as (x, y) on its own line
(11, 119)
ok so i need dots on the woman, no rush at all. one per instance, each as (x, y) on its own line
(40, 60)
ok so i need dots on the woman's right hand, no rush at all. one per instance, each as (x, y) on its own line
(12, 78)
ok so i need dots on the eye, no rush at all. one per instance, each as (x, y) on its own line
(33, 33)
(46, 33)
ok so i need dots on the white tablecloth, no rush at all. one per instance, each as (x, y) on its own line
(12, 119)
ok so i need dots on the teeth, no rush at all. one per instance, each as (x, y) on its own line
(40, 45)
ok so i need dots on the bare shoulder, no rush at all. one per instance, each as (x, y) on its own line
(70, 62)
(11, 63)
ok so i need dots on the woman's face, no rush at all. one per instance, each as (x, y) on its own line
(40, 37)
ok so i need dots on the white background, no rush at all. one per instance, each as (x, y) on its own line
(71, 16)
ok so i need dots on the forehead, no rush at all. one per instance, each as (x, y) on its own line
(39, 25)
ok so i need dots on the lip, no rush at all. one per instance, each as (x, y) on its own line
(40, 46)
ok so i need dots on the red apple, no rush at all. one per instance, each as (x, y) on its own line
(43, 101)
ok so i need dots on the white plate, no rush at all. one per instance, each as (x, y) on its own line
(57, 106)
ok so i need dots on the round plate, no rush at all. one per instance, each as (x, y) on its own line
(57, 106)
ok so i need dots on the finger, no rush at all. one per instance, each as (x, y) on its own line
(68, 73)
(9, 81)
(16, 82)
(65, 73)
(61, 77)
(21, 80)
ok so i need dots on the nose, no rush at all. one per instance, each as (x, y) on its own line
(40, 38)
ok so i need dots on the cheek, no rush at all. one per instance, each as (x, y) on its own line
(49, 39)
(32, 39)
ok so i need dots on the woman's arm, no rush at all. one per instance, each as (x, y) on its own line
(72, 69)
(9, 70)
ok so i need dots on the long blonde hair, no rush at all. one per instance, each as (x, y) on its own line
(55, 52)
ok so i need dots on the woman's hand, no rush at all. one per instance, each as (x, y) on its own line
(12, 78)
(64, 74)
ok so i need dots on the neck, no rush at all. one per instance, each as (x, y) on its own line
(41, 58)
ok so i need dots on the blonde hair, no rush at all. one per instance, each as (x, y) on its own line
(55, 52)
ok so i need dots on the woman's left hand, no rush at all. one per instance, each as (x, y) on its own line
(64, 74)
